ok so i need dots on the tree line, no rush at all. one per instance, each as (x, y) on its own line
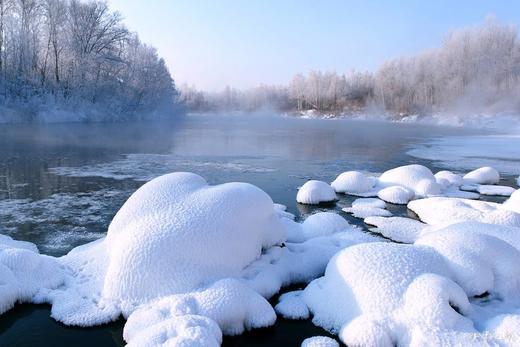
(476, 69)
(77, 56)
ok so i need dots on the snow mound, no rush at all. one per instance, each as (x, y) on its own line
(398, 229)
(444, 211)
(480, 263)
(484, 175)
(396, 195)
(451, 178)
(416, 178)
(180, 331)
(513, 203)
(315, 192)
(319, 341)
(24, 272)
(230, 303)
(368, 279)
(353, 182)
(176, 233)
(291, 306)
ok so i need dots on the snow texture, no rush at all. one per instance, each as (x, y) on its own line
(484, 175)
(353, 182)
(398, 229)
(315, 192)
(443, 211)
(396, 195)
(319, 341)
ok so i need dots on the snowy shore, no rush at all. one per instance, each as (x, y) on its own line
(185, 262)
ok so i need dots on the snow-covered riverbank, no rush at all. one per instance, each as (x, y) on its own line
(186, 262)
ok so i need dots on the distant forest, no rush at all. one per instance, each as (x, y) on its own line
(76, 60)
(476, 70)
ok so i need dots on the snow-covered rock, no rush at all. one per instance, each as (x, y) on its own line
(315, 192)
(319, 341)
(487, 189)
(230, 303)
(291, 306)
(369, 202)
(451, 178)
(365, 283)
(396, 195)
(444, 211)
(416, 178)
(484, 175)
(176, 233)
(352, 182)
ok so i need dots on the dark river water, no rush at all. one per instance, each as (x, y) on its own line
(60, 186)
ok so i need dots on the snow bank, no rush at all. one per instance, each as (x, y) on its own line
(315, 192)
(484, 175)
(443, 211)
(353, 182)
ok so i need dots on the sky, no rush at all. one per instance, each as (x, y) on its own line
(211, 44)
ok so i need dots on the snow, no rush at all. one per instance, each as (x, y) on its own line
(366, 207)
(416, 178)
(352, 182)
(188, 330)
(399, 229)
(484, 175)
(208, 232)
(495, 190)
(513, 203)
(451, 178)
(230, 303)
(443, 211)
(315, 192)
(364, 212)
(396, 195)
(24, 272)
(368, 202)
(291, 306)
(319, 341)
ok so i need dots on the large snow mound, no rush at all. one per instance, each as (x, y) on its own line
(315, 192)
(176, 233)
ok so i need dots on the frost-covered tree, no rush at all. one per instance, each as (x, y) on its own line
(77, 56)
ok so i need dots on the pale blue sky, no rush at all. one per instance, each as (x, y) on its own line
(242, 43)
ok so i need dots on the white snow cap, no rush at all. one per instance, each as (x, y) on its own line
(319, 341)
(315, 192)
(416, 178)
(176, 233)
(484, 175)
(513, 203)
(450, 177)
(353, 182)
(396, 195)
